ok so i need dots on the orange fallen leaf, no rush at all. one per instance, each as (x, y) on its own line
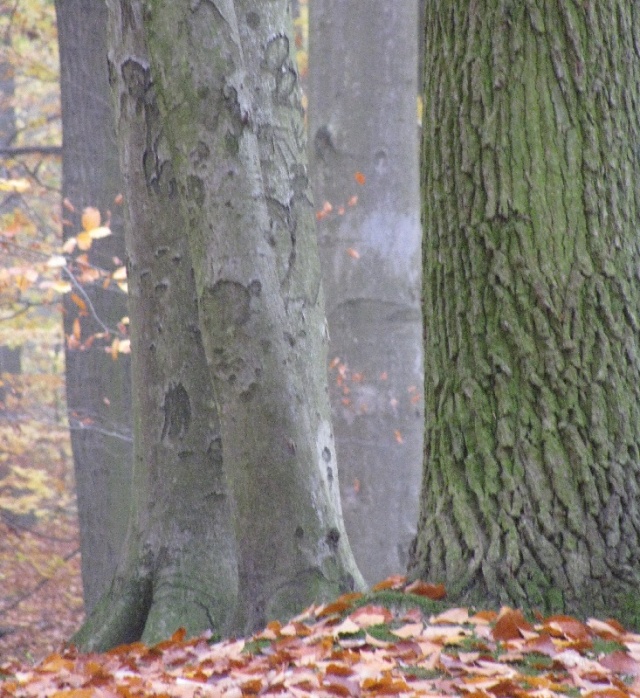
(509, 623)
(435, 592)
(570, 628)
(396, 581)
(360, 178)
(340, 605)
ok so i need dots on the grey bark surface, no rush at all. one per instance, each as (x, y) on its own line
(362, 118)
(98, 388)
(531, 191)
(180, 569)
(251, 236)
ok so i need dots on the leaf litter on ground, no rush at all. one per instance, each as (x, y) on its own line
(398, 640)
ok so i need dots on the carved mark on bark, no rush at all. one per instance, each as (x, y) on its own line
(177, 412)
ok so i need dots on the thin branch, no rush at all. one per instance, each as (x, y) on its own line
(46, 150)
(87, 300)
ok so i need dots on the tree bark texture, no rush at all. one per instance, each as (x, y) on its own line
(229, 104)
(181, 549)
(530, 177)
(362, 118)
(98, 388)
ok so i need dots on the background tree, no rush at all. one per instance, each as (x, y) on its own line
(98, 388)
(531, 301)
(260, 319)
(9, 356)
(362, 119)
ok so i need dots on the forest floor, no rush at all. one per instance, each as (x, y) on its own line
(41, 589)
(398, 640)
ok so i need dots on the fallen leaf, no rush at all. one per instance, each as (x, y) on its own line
(435, 592)
(396, 581)
(509, 623)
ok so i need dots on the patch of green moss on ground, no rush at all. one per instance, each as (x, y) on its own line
(399, 601)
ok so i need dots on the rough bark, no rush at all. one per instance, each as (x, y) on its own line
(181, 565)
(531, 178)
(98, 388)
(228, 101)
(362, 118)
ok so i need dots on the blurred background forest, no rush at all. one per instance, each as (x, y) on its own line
(41, 599)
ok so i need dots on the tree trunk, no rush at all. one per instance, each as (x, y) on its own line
(98, 388)
(276, 436)
(531, 300)
(362, 117)
(231, 110)
(181, 565)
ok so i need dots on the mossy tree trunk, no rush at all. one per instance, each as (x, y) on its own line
(231, 111)
(362, 118)
(180, 567)
(225, 292)
(531, 195)
(98, 388)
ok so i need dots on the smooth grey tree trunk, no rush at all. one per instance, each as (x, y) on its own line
(180, 568)
(254, 283)
(231, 110)
(98, 388)
(363, 118)
(531, 210)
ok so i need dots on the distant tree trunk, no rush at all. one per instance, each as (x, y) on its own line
(98, 388)
(362, 118)
(531, 186)
(7, 88)
(181, 565)
(259, 323)
(9, 356)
